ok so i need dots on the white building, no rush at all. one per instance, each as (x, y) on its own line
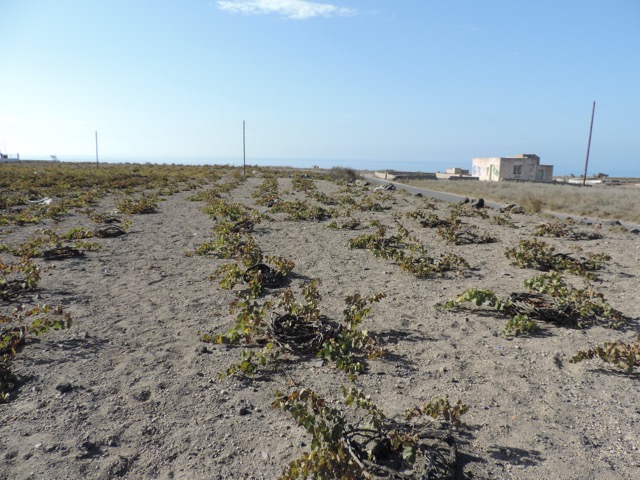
(525, 167)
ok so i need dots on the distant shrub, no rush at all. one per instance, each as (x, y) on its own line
(344, 174)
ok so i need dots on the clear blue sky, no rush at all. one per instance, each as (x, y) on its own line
(426, 84)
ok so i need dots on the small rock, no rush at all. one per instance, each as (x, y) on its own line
(11, 454)
(143, 395)
(64, 387)
(112, 441)
(317, 363)
(88, 445)
(119, 467)
(478, 203)
(88, 449)
(557, 359)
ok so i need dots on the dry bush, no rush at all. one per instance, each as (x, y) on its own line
(600, 202)
(344, 174)
(531, 203)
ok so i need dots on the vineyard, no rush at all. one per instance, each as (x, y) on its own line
(193, 322)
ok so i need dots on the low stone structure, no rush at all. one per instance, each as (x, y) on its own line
(455, 174)
(399, 176)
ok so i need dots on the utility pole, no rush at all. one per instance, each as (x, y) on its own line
(97, 164)
(244, 151)
(586, 162)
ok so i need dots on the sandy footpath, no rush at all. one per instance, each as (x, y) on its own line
(129, 391)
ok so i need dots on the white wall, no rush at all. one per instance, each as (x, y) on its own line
(486, 169)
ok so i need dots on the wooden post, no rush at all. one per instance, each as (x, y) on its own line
(97, 164)
(586, 162)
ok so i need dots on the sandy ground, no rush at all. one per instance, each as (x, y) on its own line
(142, 399)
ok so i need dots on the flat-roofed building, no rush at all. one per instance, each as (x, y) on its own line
(524, 167)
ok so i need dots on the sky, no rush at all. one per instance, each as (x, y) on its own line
(417, 84)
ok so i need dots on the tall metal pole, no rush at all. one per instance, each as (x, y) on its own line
(586, 162)
(97, 164)
(244, 152)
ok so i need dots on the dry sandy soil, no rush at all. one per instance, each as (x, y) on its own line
(141, 397)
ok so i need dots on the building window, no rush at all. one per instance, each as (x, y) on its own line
(517, 169)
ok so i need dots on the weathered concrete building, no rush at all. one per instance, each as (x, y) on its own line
(525, 167)
(398, 176)
(455, 174)
(456, 171)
